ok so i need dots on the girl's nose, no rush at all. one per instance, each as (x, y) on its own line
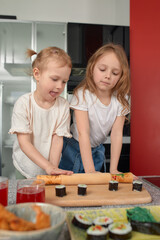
(59, 85)
(107, 74)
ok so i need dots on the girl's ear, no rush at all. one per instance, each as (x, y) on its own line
(36, 74)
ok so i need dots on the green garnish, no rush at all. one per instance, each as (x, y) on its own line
(140, 214)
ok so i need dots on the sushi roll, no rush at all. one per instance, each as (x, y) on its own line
(102, 221)
(81, 221)
(120, 231)
(97, 232)
(137, 186)
(82, 189)
(60, 190)
(113, 185)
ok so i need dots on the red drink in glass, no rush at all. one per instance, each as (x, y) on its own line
(30, 190)
(30, 194)
(4, 191)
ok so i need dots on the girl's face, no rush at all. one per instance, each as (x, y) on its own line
(107, 72)
(51, 81)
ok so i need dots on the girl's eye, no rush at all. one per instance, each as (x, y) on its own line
(115, 73)
(54, 79)
(102, 69)
(64, 82)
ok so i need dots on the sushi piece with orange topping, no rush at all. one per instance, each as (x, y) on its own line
(120, 231)
(81, 221)
(102, 221)
(97, 232)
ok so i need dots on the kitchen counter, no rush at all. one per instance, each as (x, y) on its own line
(152, 189)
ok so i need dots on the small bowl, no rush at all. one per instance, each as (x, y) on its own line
(25, 210)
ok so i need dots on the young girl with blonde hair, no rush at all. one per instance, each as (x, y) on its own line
(41, 118)
(100, 104)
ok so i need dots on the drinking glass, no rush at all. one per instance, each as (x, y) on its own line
(30, 190)
(4, 191)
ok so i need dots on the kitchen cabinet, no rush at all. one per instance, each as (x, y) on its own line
(15, 37)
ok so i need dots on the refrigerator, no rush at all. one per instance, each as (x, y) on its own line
(15, 37)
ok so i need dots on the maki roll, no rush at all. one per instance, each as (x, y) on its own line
(97, 232)
(113, 185)
(81, 221)
(137, 186)
(120, 231)
(82, 189)
(143, 221)
(103, 221)
(60, 190)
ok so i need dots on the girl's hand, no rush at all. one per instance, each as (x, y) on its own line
(115, 172)
(58, 171)
(135, 177)
(52, 170)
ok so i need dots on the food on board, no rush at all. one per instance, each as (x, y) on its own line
(123, 177)
(103, 221)
(81, 221)
(97, 232)
(143, 221)
(120, 230)
(137, 186)
(113, 185)
(86, 178)
(60, 190)
(82, 189)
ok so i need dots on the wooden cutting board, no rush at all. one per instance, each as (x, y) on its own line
(98, 195)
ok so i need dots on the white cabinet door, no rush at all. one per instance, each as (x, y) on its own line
(50, 34)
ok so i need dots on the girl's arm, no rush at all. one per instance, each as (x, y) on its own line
(55, 153)
(55, 150)
(116, 143)
(31, 152)
(84, 140)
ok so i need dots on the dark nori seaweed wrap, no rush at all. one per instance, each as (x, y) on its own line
(81, 221)
(97, 232)
(113, 185)
(120, 231)
(60, 190)
(143, 221)
(82, 189)
(146, 227)
(137, 186)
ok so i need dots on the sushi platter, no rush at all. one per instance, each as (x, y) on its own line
(118, 215)
(97, 195)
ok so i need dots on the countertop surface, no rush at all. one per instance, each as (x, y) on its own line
(152, 189)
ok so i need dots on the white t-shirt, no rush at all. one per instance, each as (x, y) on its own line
(101, 117)
(29, 117)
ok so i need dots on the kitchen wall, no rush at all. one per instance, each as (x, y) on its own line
(114, 12)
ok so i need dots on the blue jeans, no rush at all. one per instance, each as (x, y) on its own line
(71, 157)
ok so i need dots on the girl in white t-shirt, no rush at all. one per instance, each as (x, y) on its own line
(41, 118)
(100, 104)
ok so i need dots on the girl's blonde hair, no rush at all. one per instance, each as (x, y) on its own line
(122, 88)
(47, 54)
